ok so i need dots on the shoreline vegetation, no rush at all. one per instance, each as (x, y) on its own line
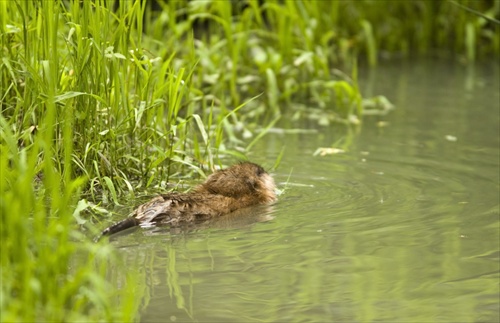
(102, 101)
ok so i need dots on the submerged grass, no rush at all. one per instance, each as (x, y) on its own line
(105, 99)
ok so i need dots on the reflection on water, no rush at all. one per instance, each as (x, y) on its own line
(404, 226)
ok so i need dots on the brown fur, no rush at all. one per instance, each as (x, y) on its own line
(223, 192)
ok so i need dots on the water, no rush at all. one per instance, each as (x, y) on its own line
(403, 227)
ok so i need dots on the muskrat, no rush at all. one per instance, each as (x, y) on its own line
(239, 186)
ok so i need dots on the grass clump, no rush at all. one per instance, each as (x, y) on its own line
(144, 100)
(51, 271)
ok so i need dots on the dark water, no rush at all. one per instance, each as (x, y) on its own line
(402, 227)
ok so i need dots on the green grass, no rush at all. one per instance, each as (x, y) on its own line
(98, 107)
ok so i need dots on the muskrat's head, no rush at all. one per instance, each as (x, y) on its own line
(242, 181)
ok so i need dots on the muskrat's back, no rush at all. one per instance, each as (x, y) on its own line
(239, 186)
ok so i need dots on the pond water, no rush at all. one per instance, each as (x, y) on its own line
(403, 226)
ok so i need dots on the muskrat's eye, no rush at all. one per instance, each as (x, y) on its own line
(260, 171)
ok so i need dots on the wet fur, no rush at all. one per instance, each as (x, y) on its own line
(223, 192)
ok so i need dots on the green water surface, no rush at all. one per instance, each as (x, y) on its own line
(402, 227)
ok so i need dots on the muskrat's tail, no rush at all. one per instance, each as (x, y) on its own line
(119, 226)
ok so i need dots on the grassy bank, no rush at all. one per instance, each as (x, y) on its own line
(148, 88)
(108, 101)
